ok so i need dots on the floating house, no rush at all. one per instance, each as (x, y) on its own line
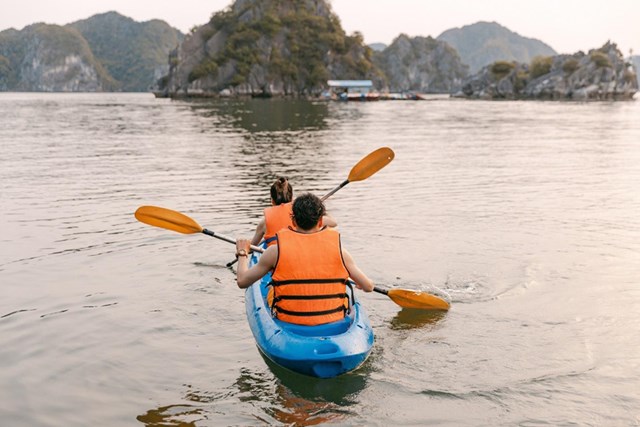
(362, 90)
(352, 90)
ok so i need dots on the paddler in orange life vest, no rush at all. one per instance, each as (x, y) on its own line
(278, 215)
(310, 268)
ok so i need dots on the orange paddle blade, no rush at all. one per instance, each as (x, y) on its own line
(417, 299)
(166, 218)
(371, 164)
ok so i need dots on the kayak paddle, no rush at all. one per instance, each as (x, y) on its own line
(414, 299)
(366, 167)
(362, 170)
(176, 221)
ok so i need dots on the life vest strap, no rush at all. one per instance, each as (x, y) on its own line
(352, 300)
(309, 313)
(307, 281)
(270, 239)
(309, 297)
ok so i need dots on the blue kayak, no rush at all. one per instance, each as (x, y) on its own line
(322, 351)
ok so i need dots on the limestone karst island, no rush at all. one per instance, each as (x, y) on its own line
(298, 48)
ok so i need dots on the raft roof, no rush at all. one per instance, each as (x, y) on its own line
(350, 83)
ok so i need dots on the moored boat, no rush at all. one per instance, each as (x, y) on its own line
(322, 351)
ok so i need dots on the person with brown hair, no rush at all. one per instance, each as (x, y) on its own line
(279, 214)
(311, 270)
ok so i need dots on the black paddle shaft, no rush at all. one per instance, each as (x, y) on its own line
(330, 193)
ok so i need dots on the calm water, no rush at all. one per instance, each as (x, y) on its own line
(527, 214)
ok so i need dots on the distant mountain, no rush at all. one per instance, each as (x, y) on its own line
(50, 58)
(134, 53)
(265, 48)
(377, 47)
(483, 43)
(421, 64)
(107, 52)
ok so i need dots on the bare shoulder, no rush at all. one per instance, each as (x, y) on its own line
(270, 256)
(346, 255)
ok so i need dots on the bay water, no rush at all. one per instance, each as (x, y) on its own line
(526, 215)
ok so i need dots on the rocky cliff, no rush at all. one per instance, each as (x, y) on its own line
(106, 52)
(600, 74)
(483, 43)
(635, 60)
(265, 48)
(421, 64)
(49, 58)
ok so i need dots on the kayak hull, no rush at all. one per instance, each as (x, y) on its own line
(322, 351)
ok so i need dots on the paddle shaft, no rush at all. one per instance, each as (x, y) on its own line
(228, 239)
(381, 291)
(330, 193)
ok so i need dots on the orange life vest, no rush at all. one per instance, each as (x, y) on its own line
(310, 278)
(276, 218)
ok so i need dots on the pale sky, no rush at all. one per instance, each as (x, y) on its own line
(565, 25)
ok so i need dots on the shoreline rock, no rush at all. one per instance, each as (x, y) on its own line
(601, 74)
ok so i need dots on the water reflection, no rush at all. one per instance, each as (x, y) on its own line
(266, 115)
(272, 130)
(409, 318)
(273, 395)
(342, 390)
(301, 400)
(172, 415)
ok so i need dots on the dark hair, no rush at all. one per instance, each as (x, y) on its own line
(307, 211)
(281, 191)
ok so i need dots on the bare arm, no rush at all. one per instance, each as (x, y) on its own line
(261, 228)
(247, 276)
(362, 281)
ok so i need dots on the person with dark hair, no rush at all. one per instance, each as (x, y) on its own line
(279, 214)
(310, 268)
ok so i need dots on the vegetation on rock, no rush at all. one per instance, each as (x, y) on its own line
(600, 59)
(270, 47)
(540, 65)
(500, 69)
